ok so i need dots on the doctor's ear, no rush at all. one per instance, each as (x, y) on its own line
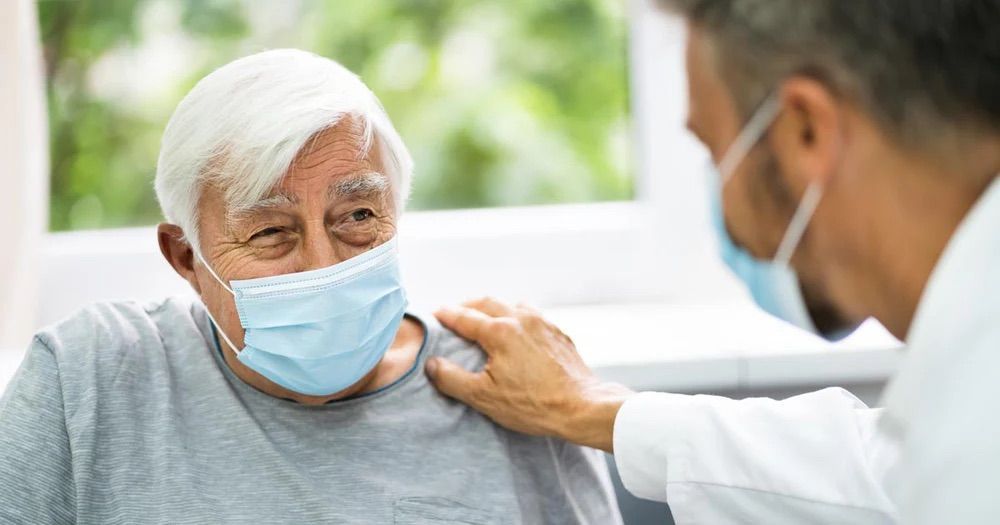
(177, 252)
(806, 138)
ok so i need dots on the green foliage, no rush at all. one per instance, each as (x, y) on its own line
(502, 102)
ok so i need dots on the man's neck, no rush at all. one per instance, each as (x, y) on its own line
(400, 357)
(398, 360)
(916, 209)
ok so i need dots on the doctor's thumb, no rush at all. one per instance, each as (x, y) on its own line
(452, 380)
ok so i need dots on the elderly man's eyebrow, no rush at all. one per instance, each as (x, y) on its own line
(364, 184)
(278, 200)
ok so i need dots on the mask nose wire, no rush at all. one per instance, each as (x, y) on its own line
(218, 327)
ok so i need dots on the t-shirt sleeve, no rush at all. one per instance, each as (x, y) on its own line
(36, 475)
(556, 481)
(583, 473)
(562, 482)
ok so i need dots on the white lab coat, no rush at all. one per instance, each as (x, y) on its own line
(932, 455)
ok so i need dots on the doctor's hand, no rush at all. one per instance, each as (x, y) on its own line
(534, 381)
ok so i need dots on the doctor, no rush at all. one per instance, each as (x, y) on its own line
(858, 146)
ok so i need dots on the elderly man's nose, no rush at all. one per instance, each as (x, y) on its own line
(319, 248)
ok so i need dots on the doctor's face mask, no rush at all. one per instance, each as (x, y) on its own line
(320, 331)
(773, 284)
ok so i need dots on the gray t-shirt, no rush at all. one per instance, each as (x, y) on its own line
(126, 413)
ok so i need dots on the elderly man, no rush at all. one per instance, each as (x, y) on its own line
(292, 392)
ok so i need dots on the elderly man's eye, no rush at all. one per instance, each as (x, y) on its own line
(362, 215)
(265, 233)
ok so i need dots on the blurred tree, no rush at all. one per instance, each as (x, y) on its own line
(502, 102)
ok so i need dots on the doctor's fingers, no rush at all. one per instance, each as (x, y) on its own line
(526, 309)
(492, 333)
(491, 307)
(456, 382)
(497, 308)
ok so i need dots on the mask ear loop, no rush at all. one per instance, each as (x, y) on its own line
(218, 327)
(208, 267)
(748, 138)
(800, 220)
(740, 148)
(222, 332)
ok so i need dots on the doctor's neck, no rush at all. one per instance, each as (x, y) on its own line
(894, 215)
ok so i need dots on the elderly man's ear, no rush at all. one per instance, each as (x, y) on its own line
(177, 252)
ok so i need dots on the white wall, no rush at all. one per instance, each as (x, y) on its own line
(23, 169)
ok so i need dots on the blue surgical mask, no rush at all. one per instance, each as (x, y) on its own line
(773, 284)
(320, 331)
(775, 288)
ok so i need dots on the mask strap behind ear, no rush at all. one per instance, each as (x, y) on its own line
(749, 136)
(207, 266)
(797, 226)
(218, 327)
(221, 332)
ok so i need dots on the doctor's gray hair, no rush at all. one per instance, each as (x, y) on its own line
(241, 127)
(928, 71)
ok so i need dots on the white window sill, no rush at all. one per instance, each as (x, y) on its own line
(730, 347)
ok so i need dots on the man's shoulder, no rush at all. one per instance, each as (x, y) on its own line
(553, 477)
(106, 331)
(443, 342)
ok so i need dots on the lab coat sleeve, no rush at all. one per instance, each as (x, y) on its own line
(814, 458)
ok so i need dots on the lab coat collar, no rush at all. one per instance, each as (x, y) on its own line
(954, 310)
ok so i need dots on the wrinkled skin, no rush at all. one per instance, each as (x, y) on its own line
(332, 205)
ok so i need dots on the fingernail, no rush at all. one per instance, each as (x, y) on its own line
(445, 310)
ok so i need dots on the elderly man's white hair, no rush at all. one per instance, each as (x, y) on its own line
(241, 127)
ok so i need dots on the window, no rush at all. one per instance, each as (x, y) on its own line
(502, 102)
(566, 150)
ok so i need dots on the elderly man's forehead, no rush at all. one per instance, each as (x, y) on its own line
(347, 142)
(335, 163)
